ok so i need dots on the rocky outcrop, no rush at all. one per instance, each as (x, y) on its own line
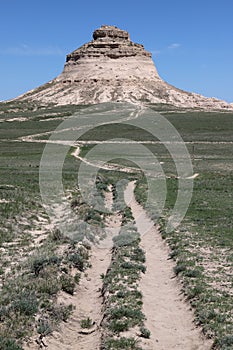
(109, 42)
(109, 56)
(113, 68)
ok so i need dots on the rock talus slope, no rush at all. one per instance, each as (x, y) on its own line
(113, 68)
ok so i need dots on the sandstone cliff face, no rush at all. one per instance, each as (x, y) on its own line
(109, 56)
(113, 68)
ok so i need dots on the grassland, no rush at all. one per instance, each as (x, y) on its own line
(201, 246)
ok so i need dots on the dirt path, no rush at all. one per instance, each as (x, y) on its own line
(87, 299)
(87, 303)
(168, 317)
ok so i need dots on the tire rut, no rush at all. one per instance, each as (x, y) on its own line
(169, 317)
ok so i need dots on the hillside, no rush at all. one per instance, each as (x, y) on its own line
(113, 68)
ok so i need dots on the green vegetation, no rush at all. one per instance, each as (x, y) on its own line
(145, 333)
(33, 293)
(86, 323)
(9, 344)
(121, 343)
(123, 301)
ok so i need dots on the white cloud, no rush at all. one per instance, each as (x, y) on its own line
(174, 46)
(165, 49)
(155, 52)
(25, 50)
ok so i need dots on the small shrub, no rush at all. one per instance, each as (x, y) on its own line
(77, 277)
(61, 312)
(139, 255)
(206, 315)
(125, 239)
(26, 304)
(9, 344)
(93, 215)
(86, 323)
(57, 235)
(124, 311)
(127, 265)
(3, 312)
(118, 326)
(127, 216)
(174, 253)
(194, 292)
(83, 252)
(142, 268)
(40, 262)
(54, 260)
(122, 344)
(102, 276)
(226, 342)
(67, 284)
(77, 261)
(50, 286)
(192, 273)
(132, 266)
(145, 333)
(44, 327)
(180, 267)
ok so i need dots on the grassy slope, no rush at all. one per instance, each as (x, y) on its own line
(24, 294)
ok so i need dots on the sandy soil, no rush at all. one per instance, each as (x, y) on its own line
(169, 317)
(87, 302)
(87, 299)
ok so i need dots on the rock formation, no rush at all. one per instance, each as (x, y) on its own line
(113, 68)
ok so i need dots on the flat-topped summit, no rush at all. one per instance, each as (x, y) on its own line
(111, 67)
(108, 41)
(105, 32)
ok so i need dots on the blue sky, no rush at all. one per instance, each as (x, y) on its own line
(191, 41)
